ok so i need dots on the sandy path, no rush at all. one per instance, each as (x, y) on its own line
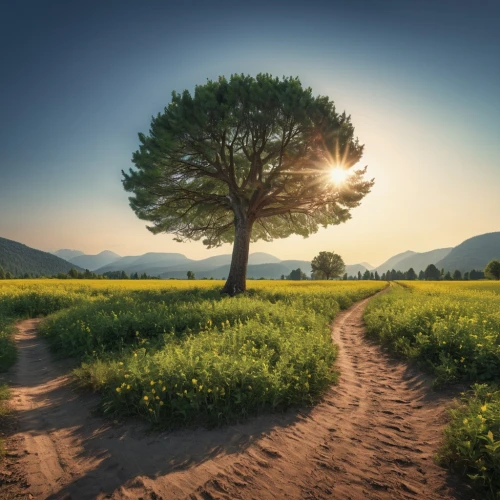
(373, 436)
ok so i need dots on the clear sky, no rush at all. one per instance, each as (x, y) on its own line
(80, 79)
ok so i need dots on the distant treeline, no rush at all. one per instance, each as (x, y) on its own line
(81, 275)
(431, 273)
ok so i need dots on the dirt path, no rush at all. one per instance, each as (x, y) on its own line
(373, 436)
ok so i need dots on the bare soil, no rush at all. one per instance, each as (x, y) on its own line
(372, 436)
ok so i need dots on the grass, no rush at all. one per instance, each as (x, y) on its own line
(4, 411)
(453, 331)
(177, 352)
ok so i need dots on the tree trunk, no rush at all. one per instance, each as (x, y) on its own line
(237, 279)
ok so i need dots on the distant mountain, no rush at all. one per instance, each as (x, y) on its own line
(417, 260)
(367, 266)
(67, 254)
(93, 262)
(151, 263)
(262, 258)
(19, 259)
(473, 253)
(353, 269)
(394, 261)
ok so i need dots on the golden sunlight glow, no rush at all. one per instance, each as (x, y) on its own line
(338, 175)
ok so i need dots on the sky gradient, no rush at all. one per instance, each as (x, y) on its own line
(420, 79)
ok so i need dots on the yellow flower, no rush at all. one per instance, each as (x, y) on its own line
(163, 388)
(157, 398)
(209, 390)
(120, 363)
(465, 421)
(152, 382)
(128, 387)
(161, 403)
(118, 389)
(483, 408)
(194, 381)
(153, 391)
(249, 387)
(309, 376)
(135, 354)
(145, 398)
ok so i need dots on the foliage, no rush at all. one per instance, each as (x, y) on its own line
(432, 272)
(296, 275)
(245, 159)
(210, 358)
(190, 275)
(493, 269)
(453, 329)
(472, 439)
(18, 260)
(329, 265)
(4, 411)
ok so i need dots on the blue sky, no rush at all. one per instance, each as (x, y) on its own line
(81, 79)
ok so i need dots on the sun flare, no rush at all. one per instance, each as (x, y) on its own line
(338, 175)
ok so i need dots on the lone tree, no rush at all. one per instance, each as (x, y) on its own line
(190, 275)
(432, 272)
(328, 265)
(493, 269)
(246, 159)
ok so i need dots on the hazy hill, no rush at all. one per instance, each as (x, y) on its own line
(367, 266)
(151, 263)
(473, 253)
(419, 261)
(394, 261)
(93, 262)
(19, 259)
(67, 254)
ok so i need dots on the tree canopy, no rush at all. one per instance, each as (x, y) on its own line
(329, 265)
(493, 269)
(246, 159)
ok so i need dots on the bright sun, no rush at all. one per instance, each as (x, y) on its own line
(338, 175)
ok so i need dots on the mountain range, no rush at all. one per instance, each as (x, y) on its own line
(19, 259)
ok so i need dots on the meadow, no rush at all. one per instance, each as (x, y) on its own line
(177, 352)
(452, 330)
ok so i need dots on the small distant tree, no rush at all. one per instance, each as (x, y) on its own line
(8, 275)
(377, 277)
(457, 275)
(297, 275)
(73, 273)
(421, 275)
(344, 277)
(466, 276)
(447, 276)
(432, 272)
(190, 275)
(282, 277)
(383, 278)
(493, 269)
(2, 273)
(411, 274)
(359, 275)
(328, 264)
(366, 275)
(123, 275)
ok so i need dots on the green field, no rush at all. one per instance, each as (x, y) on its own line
(453, 331)
(178, 352)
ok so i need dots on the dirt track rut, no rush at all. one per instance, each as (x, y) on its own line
(373, 436)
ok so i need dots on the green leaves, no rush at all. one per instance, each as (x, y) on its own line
(263, 145)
